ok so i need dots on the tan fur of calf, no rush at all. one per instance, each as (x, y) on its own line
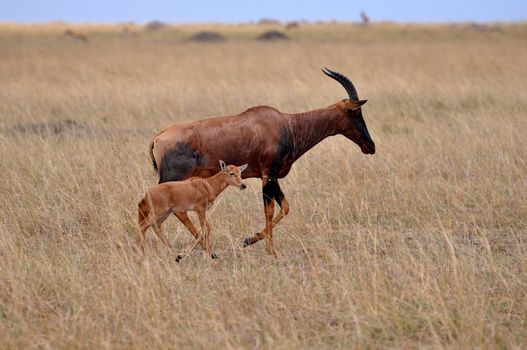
(178, 197)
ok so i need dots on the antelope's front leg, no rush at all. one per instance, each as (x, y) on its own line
(269, 212)
(271, 192)
(185, 220)
(205, 232)
(208, 242)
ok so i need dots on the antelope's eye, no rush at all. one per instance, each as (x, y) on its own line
(231, 174)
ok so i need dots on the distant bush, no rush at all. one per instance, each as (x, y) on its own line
(155, 26)
(271, 35)
(269, 21)
(292, 25)
(207, 37)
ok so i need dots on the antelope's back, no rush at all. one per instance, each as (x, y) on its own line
(195, 149)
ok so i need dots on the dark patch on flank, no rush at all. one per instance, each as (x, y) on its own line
(284, 151)
(178, 163)
(271, 191)
(283, 159)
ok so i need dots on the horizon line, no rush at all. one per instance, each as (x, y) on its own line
(278, 22)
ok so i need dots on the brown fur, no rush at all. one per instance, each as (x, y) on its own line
(179, 197)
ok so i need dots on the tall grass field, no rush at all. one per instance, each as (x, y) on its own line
(422, 245)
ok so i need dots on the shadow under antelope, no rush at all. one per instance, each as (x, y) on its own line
(271, 141)
(179, 197)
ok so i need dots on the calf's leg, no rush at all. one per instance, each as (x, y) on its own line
(143, 221)
(205, 231)
(141, 238)
(185, 220)
(159, 233)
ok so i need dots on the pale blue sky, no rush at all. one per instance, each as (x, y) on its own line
(239, 10)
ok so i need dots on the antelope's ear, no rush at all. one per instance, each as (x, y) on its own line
(243, 167)
(222, 165)
(356, 104)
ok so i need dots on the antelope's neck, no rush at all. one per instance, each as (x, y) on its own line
(215, 184)
(310, 128)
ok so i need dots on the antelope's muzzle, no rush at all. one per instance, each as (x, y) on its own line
(242, 187)
(368, 148)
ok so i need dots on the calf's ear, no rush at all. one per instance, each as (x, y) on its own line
(243, 167)
(222, 165)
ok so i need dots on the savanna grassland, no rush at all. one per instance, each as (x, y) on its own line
(423, 244)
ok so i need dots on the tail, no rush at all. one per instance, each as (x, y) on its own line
(151, 151)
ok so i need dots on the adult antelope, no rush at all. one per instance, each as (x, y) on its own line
(271, 141)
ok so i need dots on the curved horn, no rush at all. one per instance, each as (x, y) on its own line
(345, 82)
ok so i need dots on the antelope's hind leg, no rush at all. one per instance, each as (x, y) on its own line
(143, 227)
(159, 233)
(141, 237)
(144, 222)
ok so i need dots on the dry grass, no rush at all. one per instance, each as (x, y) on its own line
(422, 245)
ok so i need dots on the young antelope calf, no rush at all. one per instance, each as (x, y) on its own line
(177, 197)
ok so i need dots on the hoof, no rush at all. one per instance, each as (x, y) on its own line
(214, 256)
(178, 258)
(247, 242)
